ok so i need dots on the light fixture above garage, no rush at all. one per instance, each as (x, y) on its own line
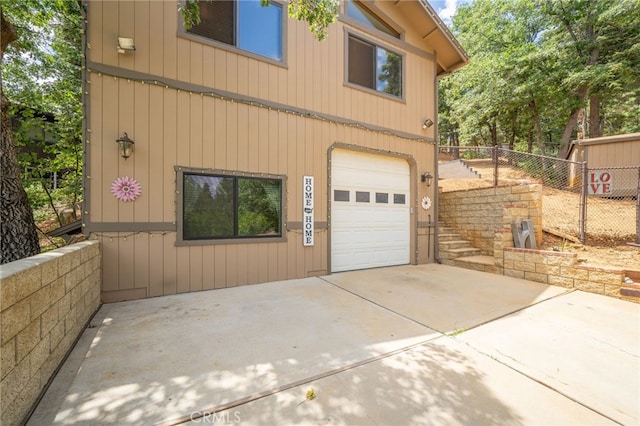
(427, 178)
(126, 44)
(427, 123)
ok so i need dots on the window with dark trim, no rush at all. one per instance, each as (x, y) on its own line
(245, 24)
(225, 206)
(358, 11)
(374, 67)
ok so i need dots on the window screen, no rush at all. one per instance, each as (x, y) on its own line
(216, 21)
(361, 63)
(374, 67)
(245, 24)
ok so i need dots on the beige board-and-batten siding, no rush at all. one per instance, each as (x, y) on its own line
(157, 95)
(150, 264)
(617, 155)
(312, 77)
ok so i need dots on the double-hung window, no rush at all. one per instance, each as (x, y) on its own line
(244, 24)
(374, 67)
(226, 206)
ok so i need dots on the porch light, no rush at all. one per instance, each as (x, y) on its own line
(126, 145)
(427, 178)
(126, 44)
(427, 123)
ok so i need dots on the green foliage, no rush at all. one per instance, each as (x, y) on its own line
(534, 64)
(551, 174)
(259, 207)
(42, 78)
(391, 74)
(255, 204)
(206, 216)
(319, 14)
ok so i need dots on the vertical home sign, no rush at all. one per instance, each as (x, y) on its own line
(307, 211)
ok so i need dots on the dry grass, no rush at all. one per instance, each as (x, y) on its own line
(610, 223)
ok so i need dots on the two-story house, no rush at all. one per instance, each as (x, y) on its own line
(260, 153)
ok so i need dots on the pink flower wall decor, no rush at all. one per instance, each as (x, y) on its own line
(126, 188)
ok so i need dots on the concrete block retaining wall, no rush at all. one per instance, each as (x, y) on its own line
(484, 216)
(45, 303)
(561, 269)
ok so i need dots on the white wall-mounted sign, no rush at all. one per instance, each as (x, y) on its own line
(600, 183)
(307, 210)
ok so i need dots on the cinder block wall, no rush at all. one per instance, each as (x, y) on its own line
(45, 303)
(484, 216)
(562, 269)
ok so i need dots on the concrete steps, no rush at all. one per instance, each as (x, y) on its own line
(456, 169)
(631, 289)
(455, 251)
(479, 263)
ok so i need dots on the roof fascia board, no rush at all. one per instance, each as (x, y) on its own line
(442, 27)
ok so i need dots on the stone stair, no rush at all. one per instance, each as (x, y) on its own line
(456, 169)
(455, 251)
(631, 290)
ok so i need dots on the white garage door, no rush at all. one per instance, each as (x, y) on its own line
(370, 211)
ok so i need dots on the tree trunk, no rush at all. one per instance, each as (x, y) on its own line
(493, 132)
(18, 235)
(571, 124)
(539, 139)
(595, 128)
(566, 135)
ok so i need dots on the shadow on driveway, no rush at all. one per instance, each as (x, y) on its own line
(369, 343)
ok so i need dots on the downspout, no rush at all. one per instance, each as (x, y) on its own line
(436, 137)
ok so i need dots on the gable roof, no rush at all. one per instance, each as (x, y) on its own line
(450, 54)
(426, 31)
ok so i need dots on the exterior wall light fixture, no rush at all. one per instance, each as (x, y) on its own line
(126, 44)
(427, 178)
(427, 123)
(126, 145)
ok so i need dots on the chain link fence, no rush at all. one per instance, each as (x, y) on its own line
(599, 204)
(613, 204)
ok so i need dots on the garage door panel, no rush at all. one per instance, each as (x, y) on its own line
(369, 234)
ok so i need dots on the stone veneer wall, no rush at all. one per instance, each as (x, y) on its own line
(484, 216)
(46, 301)
(561, 269)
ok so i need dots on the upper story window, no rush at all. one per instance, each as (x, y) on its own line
(374, 67)
(359, 12)
(245, 24)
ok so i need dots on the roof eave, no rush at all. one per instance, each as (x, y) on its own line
(464, 58)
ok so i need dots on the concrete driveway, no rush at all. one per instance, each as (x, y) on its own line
(428, 344)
